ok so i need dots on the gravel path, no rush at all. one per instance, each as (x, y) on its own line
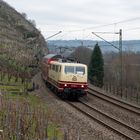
(73, 123)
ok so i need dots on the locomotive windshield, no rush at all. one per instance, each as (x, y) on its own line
(75, 70)
(80, 70)
(69, 69)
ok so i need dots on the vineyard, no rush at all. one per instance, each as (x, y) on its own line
(21, 48)
(14, 77)
(26, 117)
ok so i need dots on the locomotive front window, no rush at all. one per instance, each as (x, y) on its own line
(69, 69)
(80, 70)
(75, 70)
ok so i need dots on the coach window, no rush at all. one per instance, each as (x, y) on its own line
(80, 70)
(59, 68)
(56, 68)
(50, 66)
(69, 69)
(53, 67)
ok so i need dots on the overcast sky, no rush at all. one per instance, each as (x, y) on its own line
(78, 18)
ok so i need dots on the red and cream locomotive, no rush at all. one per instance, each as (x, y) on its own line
(67, 79)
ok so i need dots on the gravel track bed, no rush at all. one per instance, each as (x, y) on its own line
(108, 121)
(118, 113)
(70, 120)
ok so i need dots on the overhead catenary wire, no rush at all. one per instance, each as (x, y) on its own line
(106, 41)
(115, 23)
(130, 29)
(84, 31)
(104, 25)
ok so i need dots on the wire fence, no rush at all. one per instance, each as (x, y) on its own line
(131, 94)
(127, 87)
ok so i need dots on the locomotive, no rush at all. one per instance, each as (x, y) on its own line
(67, 79)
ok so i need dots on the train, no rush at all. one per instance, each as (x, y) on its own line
(66, 78)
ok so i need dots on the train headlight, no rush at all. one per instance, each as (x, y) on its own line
(82, 86)
(65, 85)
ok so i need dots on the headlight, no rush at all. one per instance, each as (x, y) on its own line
(82, 86)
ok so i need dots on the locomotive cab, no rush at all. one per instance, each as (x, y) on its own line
(76, 75)
(73, 79)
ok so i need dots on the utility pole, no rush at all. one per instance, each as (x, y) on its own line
(120, 53)
(121, 59)
(82, 43)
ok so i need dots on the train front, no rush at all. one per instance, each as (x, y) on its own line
(73, 80)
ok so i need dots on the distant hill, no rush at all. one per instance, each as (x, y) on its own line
(20, 40)
(128, 45)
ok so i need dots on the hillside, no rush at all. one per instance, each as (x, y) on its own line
(20, 41)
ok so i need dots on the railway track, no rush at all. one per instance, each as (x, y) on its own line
(123, 130)
(115, 101)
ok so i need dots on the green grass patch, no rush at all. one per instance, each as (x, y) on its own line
(32, 99)
(12, 86)
(54, 132)
(5, 80)
(12, 89)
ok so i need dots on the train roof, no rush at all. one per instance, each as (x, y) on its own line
(67, 64)
(59, 60)
(54, 56)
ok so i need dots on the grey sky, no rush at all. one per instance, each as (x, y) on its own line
(69, 16)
